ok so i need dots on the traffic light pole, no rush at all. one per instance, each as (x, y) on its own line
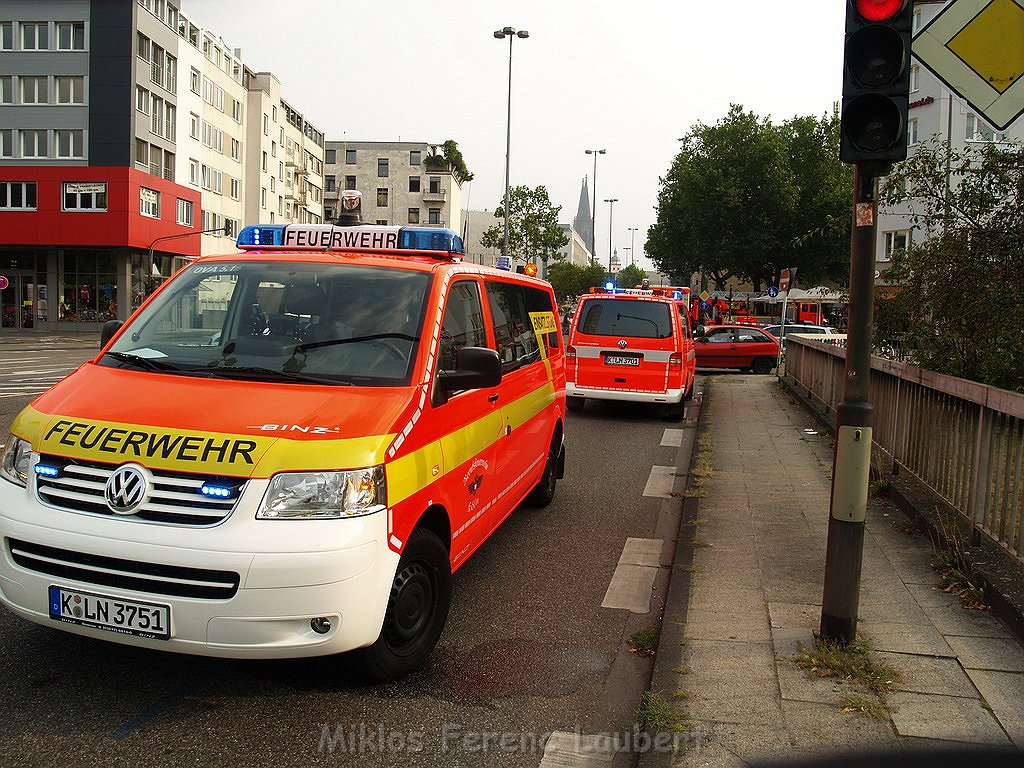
(852, 460)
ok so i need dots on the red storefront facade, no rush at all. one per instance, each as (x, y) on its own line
(75, 240)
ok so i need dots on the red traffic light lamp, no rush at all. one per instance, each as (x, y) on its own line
(876, 83)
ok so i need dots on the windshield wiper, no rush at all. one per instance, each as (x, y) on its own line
(146, 363)
(269, 374)
(353, 340)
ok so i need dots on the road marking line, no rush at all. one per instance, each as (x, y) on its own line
(630, 587)
(660, 482)
(673, 438)
(577, 750)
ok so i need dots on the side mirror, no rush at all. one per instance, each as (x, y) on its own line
(478, 368)
(109, 330)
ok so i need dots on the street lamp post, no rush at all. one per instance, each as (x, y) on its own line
(611, 206)
(225, 230)
(593, 214)
(500, 34)
(632, 248)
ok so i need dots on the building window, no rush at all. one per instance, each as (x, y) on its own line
(17, 195)
(70, 36)
(193, 125)
(6, 36)
(193, 170)
(70, 144)
(195, 82)
(414, 215)
(895, 241)
(382, 222)
(70, 89)
(415, 157)
(236, 110)
(435, 185)
(149, 202)
(34, 144)
(171, 65)
(263, 198)
(350, 157)
(34, 90)
(330, 156)
(330, 183)
(382, 197)
(350, 182)
(85, 196)
(184, 213)
(273, 149)
(35, 36)
(236, 149)
(236, 189)
(912, 131)
(213, 179)
(6, 89)
(142, 154)
(264, 164)
(414, 183)
(382, 167)
(142, 100)
(434, 216)
(272, 184)
(6, 142)
(979, 130)
(915, 71)
(266, 124)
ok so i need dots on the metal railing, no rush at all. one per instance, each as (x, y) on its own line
(964, 440)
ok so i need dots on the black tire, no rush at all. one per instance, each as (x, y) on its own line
(676, 411)
(689, 390)
(421, 594)
(574, 403)
(544, 491)
(763, 366)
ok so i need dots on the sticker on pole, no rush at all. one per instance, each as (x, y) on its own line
(865, 214)
(4, 282)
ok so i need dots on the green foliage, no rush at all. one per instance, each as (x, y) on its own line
(962, 285)
(630, 276)
(533, 231)
(745, 198)
(570, 280)
(450, 159)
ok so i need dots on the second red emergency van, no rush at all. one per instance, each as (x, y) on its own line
(630, 345)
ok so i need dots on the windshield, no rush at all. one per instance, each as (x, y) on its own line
(272, 321)
(633, 318)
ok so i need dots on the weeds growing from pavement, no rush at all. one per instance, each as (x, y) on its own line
(856, 664)
(959, 574)
(644, 642)
(654, 715)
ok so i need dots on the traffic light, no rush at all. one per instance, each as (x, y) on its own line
(876, 83)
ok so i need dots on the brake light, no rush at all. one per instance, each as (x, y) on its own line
(675, 362)
(570, 354)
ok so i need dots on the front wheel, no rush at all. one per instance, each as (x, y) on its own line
(417, 610)
(544, 491)
(763, 366)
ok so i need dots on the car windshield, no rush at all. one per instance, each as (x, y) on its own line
(618, 317)
(283, 322)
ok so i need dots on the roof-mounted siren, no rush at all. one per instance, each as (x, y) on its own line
(351, 208)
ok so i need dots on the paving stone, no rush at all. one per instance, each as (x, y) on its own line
(951, 718)
(1004, 693)
(930, 674)
(988, 653)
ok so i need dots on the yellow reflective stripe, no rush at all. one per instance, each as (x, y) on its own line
(29, 424)
(408, 474)
(186, 451)
(528, 406)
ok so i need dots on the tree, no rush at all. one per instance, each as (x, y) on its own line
(745, 199)
(957, 293)
(630, 276)
(570, 280)
(533, 230)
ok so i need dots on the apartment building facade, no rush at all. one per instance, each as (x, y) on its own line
(125, 132)
(401, 183)
(935, 112)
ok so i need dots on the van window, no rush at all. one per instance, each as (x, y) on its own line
(540, 301)
(463, 323)
(634, 319)
(514, 336)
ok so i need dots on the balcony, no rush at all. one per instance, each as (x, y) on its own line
(438, 196)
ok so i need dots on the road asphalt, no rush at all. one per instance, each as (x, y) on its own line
(744, 606)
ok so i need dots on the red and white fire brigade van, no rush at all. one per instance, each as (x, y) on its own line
(633, 345)
(287, 451)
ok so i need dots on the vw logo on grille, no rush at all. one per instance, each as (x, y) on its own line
(622, 343)
(125, 490)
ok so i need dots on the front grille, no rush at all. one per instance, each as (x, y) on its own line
(174, 497)
(152, 578)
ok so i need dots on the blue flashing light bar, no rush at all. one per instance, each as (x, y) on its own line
(326, 237)
(219, 491)
(45, 470)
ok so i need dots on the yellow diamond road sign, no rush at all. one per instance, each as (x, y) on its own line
(976, 47)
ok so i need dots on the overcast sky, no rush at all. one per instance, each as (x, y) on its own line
(630, 78)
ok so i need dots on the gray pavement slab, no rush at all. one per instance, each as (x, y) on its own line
(755, 590)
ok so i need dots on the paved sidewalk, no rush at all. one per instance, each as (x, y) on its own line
(754, 594)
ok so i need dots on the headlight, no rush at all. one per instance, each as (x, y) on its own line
(324, 495)
(15, 460)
